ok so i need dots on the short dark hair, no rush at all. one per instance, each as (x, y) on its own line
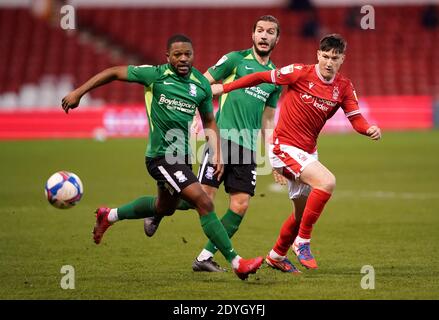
(178, 38)
(333, 41)
(268, 18)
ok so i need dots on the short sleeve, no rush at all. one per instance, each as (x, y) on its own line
(144, 74)
(287, 75)
(274, 97)
(350, 101)
(224, 67)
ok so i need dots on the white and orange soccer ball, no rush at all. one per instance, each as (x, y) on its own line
(63, 189)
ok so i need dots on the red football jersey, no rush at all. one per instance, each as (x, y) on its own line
(309, 102)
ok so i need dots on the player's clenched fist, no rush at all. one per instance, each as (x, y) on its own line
(217, 89)
(70, 101)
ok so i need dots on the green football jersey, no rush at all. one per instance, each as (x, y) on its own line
(240, 114)
(171, 102)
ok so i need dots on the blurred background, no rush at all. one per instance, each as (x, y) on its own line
(394, 66)
(383, 214)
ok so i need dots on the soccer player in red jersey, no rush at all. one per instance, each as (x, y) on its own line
(315, 93)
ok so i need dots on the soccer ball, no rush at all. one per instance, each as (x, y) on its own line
(63, 189)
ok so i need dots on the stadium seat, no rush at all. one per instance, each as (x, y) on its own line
(143, 33)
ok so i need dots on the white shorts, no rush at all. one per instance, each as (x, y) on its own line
(292, 160)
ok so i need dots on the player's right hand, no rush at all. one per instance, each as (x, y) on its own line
(217, 89)
(218, 164)
(70, 101)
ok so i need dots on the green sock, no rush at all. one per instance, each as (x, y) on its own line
(184, 205)
(231, 222)
(140, 208)
(214, 230)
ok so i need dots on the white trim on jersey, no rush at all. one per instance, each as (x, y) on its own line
(273, 76)
(352, 113)
(168, 177)
(203, 166)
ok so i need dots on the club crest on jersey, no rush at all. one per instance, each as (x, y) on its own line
(180, 176)
(335, 93)
(209, 173)
(192, 89)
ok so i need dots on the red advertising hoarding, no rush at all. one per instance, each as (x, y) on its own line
(390, 113)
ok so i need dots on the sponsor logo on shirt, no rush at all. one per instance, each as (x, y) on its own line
(258, 93)
(174, 104)
(319, 103)
(310, 85)
(307, 98)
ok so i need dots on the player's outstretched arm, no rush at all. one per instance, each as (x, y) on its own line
(71, 101)
(249, 80)
(209, 77)
(213, 138)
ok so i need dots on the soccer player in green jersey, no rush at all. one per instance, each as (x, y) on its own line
(173, 93)
(241, 116)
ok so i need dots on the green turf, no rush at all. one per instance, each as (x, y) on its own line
(385, 213)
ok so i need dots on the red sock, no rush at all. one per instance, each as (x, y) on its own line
(314, 207)
(287, 234)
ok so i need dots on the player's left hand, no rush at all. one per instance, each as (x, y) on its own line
(217, 89)
(374, 133)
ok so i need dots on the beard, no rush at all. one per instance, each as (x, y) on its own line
(265, 52)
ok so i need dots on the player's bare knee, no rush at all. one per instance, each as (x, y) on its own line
(329, 183)
(239, 207)
(203, 203)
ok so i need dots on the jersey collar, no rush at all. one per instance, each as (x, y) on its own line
(254, 58)
(171, 71)
(316, 68)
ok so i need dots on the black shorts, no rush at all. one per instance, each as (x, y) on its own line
(172, 177)
(239, 169)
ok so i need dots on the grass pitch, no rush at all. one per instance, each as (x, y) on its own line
(384, 213)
